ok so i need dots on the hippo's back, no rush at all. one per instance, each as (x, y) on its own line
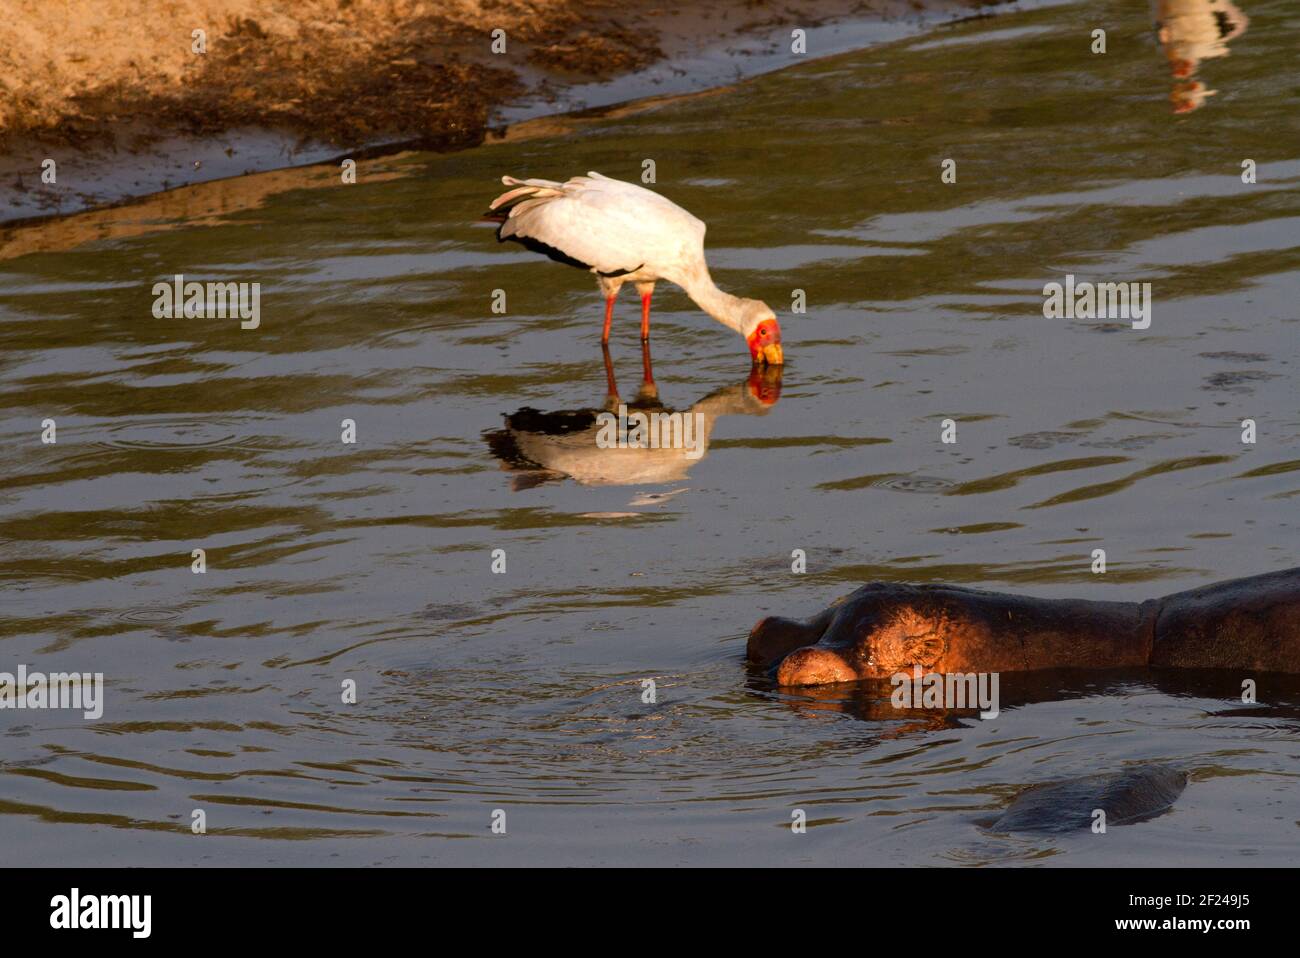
(1251, 623)
(1126, 797)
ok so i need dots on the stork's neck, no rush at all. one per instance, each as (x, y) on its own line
(723, 307)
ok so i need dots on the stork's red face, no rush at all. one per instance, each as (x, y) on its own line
(765, 343)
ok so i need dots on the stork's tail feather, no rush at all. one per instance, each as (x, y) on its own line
(536, 189)
(512, 181)
(525, 195)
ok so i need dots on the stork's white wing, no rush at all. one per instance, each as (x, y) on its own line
(610, 225)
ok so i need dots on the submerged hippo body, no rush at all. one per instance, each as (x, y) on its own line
(886, 628)
(1126, 797)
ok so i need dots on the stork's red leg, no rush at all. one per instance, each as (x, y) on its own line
(611, 387)
(609, 317)
(645, 317)
(647, 373)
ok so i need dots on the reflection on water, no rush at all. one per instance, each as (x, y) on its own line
(1191, 31)
(372, 561)
(542, 446)
(868, 701)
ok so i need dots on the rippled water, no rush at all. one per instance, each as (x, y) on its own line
(371, 562)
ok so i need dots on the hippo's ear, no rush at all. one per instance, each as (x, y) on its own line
(925, 650)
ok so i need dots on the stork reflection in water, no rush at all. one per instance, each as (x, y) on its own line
(543, 447)
(1189, 32)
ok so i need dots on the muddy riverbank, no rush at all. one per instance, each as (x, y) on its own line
(127, 106)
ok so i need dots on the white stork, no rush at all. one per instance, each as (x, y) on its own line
(623, 232)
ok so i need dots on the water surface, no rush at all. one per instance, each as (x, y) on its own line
(523, 691)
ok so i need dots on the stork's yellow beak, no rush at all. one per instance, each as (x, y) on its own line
(765, 343)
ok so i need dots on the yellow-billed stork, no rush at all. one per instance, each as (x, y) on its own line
(624, 233)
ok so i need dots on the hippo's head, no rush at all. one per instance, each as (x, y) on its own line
(873, 636)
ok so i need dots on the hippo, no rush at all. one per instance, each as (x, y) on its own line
(885, 628)
(1127, 797)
